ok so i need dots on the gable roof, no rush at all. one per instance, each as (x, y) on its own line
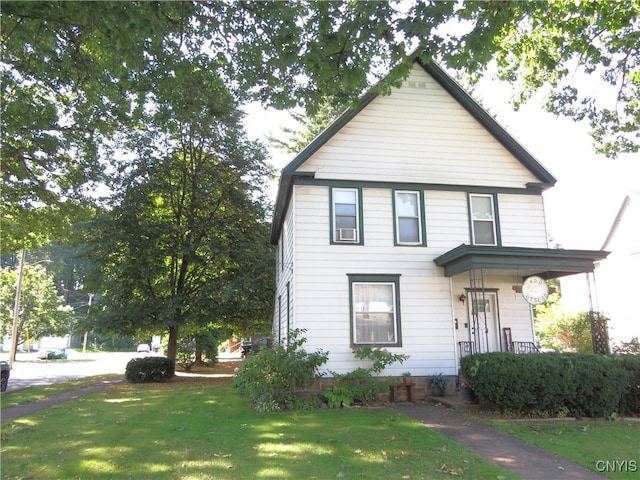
(450, 85)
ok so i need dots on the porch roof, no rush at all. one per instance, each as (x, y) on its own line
(545, 262)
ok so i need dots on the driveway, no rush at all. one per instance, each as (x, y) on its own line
(29, 371)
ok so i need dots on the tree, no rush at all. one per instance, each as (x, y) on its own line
(42, 310)
(185, 242)
(560, 331)
(78, 74)
(310, 127)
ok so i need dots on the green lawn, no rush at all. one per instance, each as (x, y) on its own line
(33, 394)
(201, 429)
(611, 448)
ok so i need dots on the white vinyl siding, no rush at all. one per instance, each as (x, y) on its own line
(446, 215)
(418, 133)
(322, 284)
(522, 222)
(283, 309)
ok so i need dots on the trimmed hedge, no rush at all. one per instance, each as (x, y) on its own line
(557, 384)
(630, 402)
(150, 369)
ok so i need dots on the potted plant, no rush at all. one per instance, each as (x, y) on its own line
(466, 392)
(438, 384)
(407, 377)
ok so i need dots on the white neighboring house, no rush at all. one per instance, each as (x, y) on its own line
(617, 276)
(411, 223)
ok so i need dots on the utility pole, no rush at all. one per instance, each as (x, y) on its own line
(86, 334)
(16, 310)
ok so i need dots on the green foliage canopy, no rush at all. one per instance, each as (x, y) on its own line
(42, 310)
(185, 242)
(76, 75)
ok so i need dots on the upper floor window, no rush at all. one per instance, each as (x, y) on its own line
(375, 309)
(408, 218)
(483, 220)
(346, 215)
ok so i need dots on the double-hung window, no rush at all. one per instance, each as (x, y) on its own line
(375, 310)
(345, 204)
(483, 220)
(408, 218)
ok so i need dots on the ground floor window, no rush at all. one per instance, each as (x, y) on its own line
(375, 309)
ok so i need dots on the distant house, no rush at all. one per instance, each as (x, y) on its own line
(617, 276)
(411, 223)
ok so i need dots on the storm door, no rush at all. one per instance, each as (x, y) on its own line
(484, 321)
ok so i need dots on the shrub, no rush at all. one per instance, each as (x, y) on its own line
(630, 402)
(271, 376)
(360, 385)
(578, 384)
(150, 369)
(186, 352)
(356, 386)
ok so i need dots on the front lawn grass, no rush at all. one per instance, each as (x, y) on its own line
(199, 428)
(590, 443)
(33, 394)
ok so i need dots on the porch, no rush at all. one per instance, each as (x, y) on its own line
(469, 348)
(493, 315)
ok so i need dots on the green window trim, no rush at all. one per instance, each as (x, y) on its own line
(371, 321)
(354, 234)
(495, 220)
(421, 229)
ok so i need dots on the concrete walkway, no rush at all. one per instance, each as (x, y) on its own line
(10, 414)
(517, 456)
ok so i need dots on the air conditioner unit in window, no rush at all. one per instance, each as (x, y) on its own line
(347, 234)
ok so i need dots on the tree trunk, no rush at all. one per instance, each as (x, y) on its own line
(172, 346)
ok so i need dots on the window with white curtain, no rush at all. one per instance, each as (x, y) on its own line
(375, 309)
(483, 220)
(408, 218)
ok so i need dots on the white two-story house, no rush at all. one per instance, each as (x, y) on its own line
(411, 223)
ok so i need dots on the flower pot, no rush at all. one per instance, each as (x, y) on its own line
(407, 380)
(467, 394)
(437, 391)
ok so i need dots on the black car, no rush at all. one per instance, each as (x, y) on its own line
(6, 372)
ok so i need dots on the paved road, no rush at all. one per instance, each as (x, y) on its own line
(29, 371)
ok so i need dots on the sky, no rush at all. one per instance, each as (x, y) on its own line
(590, 188)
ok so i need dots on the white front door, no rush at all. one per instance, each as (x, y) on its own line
(484, 321)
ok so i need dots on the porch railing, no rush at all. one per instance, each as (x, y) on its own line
(466, 348)
(524, 347)
(469, 348)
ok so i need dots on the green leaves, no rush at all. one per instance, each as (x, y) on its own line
(42, 311)
(78, 77)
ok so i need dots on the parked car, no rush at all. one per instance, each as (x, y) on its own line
(57, 354)
(6, 373)
(143, 348)
(254, 344)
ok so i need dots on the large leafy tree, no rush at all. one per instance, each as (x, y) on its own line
(184, 243)
(76, 74)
